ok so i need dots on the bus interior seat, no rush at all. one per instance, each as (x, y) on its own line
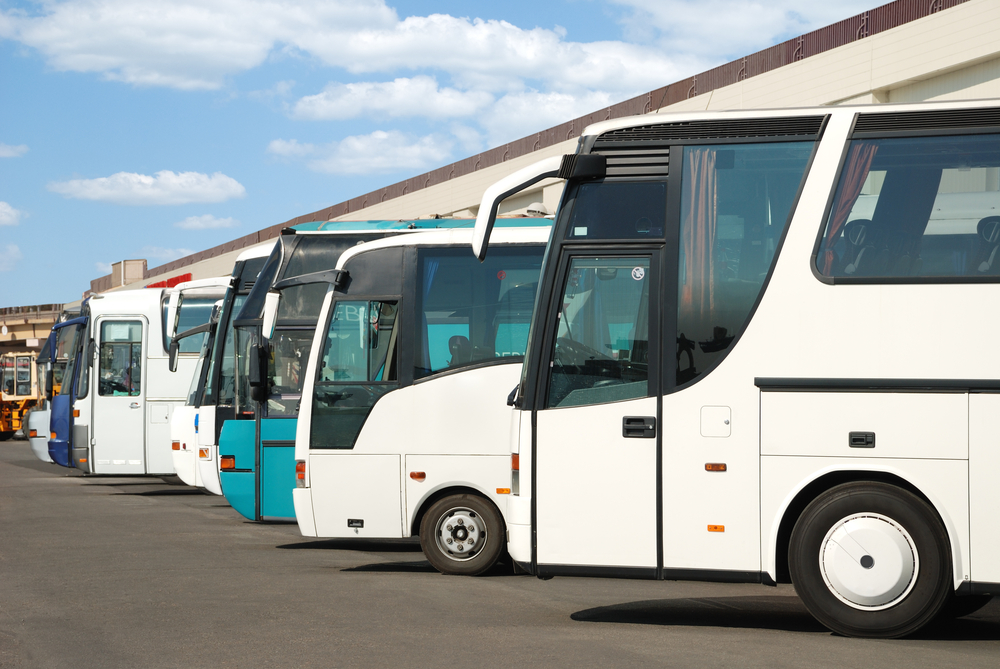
(861, 248)
(988, 231)
(461, 350)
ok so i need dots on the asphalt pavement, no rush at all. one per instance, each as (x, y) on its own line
(142, 572)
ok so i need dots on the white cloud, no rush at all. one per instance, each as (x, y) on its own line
(8, 151)
(163, 255)
(521, 114)
(103, 267)
(164, 188)
(380, 152)
(290, 148)
(206, 222)
(9, 215)
(417, 96)
(728, 29)
(10, 254)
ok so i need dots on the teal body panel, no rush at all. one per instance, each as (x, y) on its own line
(237, 439)
(277, 467)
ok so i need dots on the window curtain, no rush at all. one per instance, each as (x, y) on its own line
(430, 271)
(698, 226)
(859, 162)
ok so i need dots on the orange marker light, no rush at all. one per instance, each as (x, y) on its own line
(76, 413)
(83, 459)
(515, 462)
(227, 462)
(33, 433)
(715, 466)
(52, 436)
(503, 491)
(418, 476)
(204, 454)
(716, 528)
(175, 445)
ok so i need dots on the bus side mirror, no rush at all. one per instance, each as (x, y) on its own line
(175, 348)
(257, 372)
(49, 378)
(270, 315)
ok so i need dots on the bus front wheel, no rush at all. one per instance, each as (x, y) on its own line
(462, 534)
(871, 560)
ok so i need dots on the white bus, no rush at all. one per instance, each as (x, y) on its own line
(124, 391)
(761, 353)
(402, 429)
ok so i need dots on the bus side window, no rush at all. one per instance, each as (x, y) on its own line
(120, 370)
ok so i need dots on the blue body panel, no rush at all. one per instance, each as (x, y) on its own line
(59, 448)
(61, 416)
(237, 440)
(277, 467)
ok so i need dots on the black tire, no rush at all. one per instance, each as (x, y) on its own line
(883, 516)
(4, 436)
(459, 513)
(956, 607)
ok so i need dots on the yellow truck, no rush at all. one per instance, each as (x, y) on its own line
(18, 391)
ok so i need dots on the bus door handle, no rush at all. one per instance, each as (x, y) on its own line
(133, 405)
(639, 427)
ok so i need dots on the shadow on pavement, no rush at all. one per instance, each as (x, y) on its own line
(765, 612)
(786, 614)
(421, 566)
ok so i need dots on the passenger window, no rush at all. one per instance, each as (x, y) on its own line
(916, 207)
(736, 200)
(472, 312)
(192, 312)
(358, 366)
(602, 343)
(120, 370)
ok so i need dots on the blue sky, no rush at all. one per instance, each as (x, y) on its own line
(156, 129)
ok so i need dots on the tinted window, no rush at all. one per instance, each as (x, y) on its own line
(192, 312)
(735, 202)
(287, 365)
(618, 210)
(471, 312)
(916, 207)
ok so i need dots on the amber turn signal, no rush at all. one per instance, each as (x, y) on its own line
(515, 462)
(52, 436)
(715, 466)
(227, 462)
(418, 476)
(716, 528)
(76, 413)
(33, 433)
(204, 454)
(175, 445)
(503, 491)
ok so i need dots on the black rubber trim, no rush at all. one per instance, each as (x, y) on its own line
(717, 576)
(549, 570)
(933, 122)
(278, 443)
(819, 385)
(237, 471)
(984, 589)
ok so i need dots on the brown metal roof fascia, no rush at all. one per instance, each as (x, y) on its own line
(866, 24)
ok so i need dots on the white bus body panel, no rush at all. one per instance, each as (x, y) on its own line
(186, 458)
(357, 487)
(208, 468)
(984, 493)
(38, 420)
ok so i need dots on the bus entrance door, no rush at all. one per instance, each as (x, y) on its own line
(118, 422)
(597, 432)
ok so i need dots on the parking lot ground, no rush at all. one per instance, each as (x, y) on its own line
(139, 572)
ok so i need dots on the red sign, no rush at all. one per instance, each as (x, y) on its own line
(501, 275)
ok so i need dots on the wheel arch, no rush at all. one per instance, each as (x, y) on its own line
(445, 491)
(827, 479)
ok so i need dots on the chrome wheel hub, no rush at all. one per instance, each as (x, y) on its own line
(460, 534)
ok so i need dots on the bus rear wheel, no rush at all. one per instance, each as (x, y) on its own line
(462, 534)
(871, 560)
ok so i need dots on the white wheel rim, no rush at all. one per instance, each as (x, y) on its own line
(460, 534)
(869, 561)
